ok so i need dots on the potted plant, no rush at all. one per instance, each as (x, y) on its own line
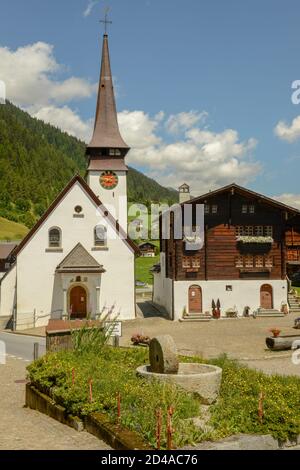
(276, 332)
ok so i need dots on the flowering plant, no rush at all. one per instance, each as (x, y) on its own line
(254, 239)
(140, 339)
(276, 332)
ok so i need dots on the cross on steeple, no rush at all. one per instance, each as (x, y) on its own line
(106, 22)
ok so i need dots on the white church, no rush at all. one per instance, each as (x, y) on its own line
(78, 261)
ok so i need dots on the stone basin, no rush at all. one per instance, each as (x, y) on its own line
(204, 380)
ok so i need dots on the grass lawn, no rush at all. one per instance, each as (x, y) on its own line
(11, 230)
(113, 371)
(143, 266)
(297, 289)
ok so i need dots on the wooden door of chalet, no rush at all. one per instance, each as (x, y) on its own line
(266, 296)
(195, 299)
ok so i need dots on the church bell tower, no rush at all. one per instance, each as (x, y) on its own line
(107, 171)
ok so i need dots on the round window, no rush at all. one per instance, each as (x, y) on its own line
(78, 209)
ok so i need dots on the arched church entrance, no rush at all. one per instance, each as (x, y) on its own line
(78, 302)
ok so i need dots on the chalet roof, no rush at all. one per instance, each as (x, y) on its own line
(106, 130)
(77, 179)
(6, 249)
(147, 244)
(244, 192)
(79, 260)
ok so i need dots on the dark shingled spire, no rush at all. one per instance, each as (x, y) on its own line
(106, 131)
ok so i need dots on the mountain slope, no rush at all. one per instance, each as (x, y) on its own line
(11, 230)
(36, 162)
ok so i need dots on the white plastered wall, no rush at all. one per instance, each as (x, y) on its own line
(40, 288)
(8, 293)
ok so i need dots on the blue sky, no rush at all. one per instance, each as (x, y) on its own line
(234, 60)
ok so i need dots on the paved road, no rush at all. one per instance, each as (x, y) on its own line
(25, 429)
(22, 346)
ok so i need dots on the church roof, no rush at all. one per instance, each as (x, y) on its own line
(6, 249)
(79, 260)
(98, 164)
(77, 179)
(106, 130)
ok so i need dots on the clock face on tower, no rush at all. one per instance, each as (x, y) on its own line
(109, 180)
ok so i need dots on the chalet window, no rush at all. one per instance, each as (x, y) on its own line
(269, 231)
(259, 230)
(213, 209)
(249, 261)
(196, 263)
(100, 236)
(269, 262)
(186, 262)
(239, 262)
(239, 230)
(249, 230)
(248, 209)
(259, 261)
(54, 238)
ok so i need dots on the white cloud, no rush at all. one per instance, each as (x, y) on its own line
(178, 123)
(290, 133)
(90, 7)
(30, 74)
(202, 158)
(66, 119)
(196, 155)
(292, 200)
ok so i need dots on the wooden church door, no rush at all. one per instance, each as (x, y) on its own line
(78, 302)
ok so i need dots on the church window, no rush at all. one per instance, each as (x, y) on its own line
(114, 152)
(54, 238)
(100, 235)
(78, 209)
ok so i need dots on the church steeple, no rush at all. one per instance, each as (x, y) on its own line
(107, 171)
(107, 140)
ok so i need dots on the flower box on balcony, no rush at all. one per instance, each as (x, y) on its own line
(253, 239)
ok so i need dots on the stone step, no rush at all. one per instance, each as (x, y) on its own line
(196, 318)
(269, 313)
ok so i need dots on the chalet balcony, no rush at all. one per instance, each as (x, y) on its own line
(254, 244)
(255, 273)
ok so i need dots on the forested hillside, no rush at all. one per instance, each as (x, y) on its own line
(37, 160)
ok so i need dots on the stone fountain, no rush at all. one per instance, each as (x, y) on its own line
(204, 380)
